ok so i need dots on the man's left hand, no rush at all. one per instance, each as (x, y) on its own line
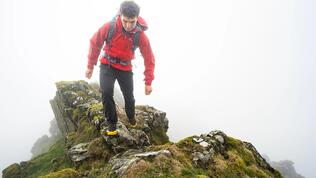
(148, 89)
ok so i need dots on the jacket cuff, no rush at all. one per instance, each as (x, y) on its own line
(90, 66)
(148, 83)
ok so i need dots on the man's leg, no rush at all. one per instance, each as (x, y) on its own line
(107, 80)
(125, 80)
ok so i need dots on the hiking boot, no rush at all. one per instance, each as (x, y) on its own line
(111, 131)
(132, 121)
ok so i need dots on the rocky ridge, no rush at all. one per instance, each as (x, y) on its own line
(143, 151)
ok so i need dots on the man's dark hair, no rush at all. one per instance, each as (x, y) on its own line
(129, 9)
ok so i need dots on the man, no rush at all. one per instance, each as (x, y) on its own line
(122, 35)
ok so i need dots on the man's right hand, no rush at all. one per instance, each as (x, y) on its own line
(148, 89)
(89, 73)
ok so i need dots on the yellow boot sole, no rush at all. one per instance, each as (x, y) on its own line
(111, 133)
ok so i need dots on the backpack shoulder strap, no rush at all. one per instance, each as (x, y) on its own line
(111, 31)
(136, 41)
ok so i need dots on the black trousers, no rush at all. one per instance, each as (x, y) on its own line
(108, 76)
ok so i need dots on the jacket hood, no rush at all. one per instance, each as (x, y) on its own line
(142, 23)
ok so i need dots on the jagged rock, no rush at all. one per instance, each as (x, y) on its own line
(126, 139)
(77, 100)
(204, 144)
(259, 159)
(65, 124)
(198, 140)
(154, 123)
(68, 96)
(79, 152)
(202, 159)
(286, 167)
(215, 141)
(153, 153)
(141, 138)
(122, 162)
(211, 142)
(79, 113)
(153, 118)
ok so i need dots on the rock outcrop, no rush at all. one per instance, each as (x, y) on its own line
(141, 151)
(286, 167)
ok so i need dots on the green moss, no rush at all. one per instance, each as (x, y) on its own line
(236, 166)
(247, 161)
(163, 166)
(244, 153)
(193, 173)
(86, 165)
(66, 84)
(255, 172)
(158, 137)
(176, 165)
(83, 94)
(53, 160)
(201, 176)
(61, 85)
(96, 107)
(86, 132)
(186, 142)
(158, 173)
(106, 172)
(97, 117)
(187, 145)
(65, 173)
(76, 114)
(176, 152)
(187, 172)
(94, 111)
(97, 173)
(98, 149)
(13, 170)
(71, 137)
(168, 169)
(160, 176)
(233, 143)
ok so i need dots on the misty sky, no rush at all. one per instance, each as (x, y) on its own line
(244, 67)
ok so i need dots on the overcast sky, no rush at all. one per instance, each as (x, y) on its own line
(244, 67)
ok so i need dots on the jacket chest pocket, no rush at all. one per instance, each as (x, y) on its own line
(123, 42)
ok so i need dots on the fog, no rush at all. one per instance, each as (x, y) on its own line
(244, 67)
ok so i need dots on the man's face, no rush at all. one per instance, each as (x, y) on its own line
(129, 23)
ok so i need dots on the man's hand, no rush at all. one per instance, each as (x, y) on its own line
(89, 73)
(148, 89)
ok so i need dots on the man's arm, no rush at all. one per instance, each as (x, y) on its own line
(149, 61)
(96, 43)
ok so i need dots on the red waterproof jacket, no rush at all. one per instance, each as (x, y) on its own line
(121, 47)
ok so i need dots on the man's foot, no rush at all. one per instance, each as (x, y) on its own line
(111, 131)
(132, 122)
